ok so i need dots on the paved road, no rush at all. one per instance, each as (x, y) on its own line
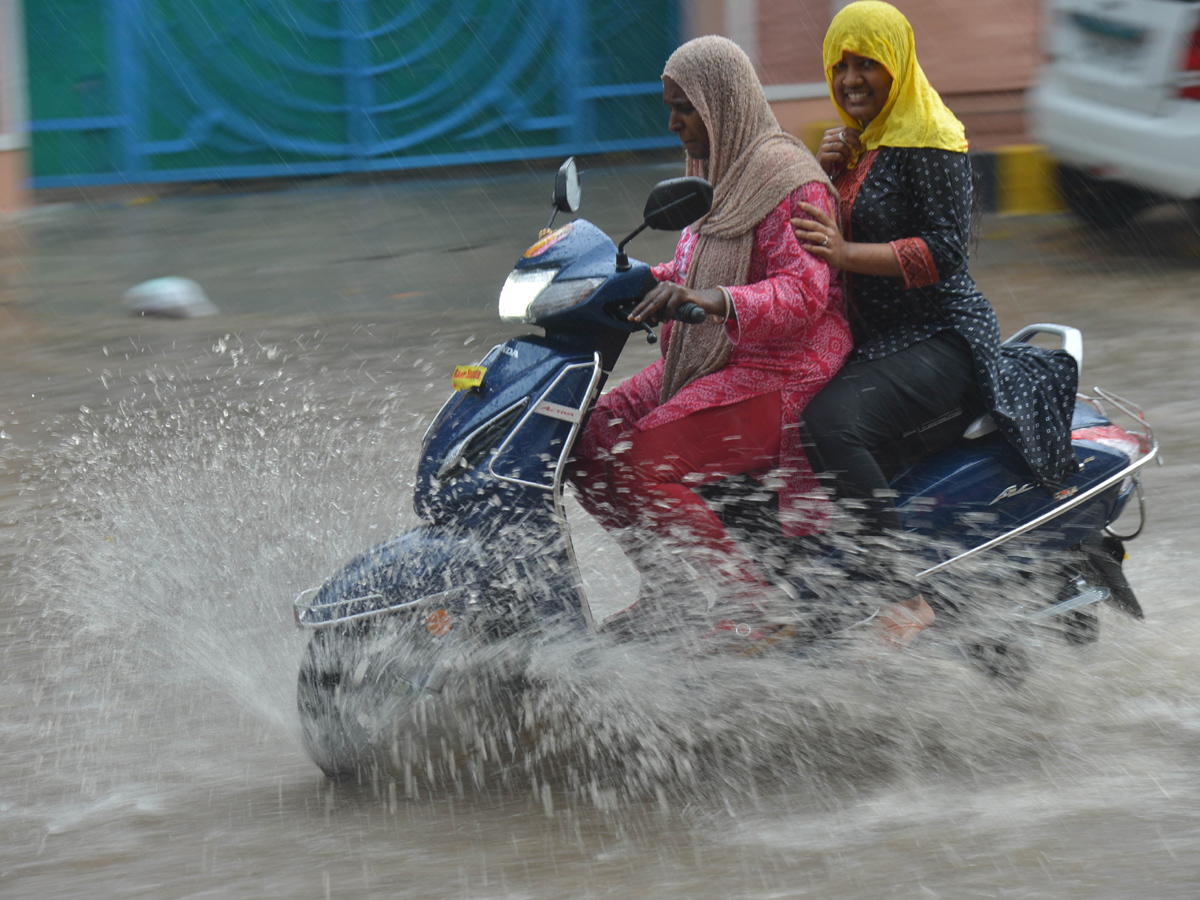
(166, 487)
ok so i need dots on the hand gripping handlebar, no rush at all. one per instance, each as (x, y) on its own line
(690, 313)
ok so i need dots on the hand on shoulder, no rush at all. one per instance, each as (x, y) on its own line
(818, 233)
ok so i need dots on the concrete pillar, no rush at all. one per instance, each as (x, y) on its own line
(701, 17)
(741, 25)
(737, 20)
(14, 138)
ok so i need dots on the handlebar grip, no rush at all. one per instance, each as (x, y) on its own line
(690, 313)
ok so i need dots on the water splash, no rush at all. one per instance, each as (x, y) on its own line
(173, 526)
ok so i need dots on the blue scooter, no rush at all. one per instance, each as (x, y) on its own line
(493, 562)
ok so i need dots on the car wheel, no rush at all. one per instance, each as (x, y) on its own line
(1102, 204)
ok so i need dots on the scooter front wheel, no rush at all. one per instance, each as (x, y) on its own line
(349, 678)
(389, 698)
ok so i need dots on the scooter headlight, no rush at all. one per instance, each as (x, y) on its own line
(533, 295)
(521, 288)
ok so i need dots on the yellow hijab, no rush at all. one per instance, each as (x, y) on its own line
(914, 115)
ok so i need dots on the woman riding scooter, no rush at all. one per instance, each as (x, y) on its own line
(927, 354)
(726, 394)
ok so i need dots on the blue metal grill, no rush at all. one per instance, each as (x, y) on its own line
(167, 90)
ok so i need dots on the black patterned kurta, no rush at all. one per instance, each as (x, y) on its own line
(919, 201)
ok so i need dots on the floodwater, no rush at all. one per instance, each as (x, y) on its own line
(166, 488)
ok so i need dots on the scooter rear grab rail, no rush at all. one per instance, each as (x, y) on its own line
(1072, 338)
(1072, 342)
(1147, 441)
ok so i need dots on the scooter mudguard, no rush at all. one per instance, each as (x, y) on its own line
(427, 567)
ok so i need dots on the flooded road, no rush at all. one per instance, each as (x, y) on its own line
(166, 488)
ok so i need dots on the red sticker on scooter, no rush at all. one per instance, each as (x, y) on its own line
(547, 242)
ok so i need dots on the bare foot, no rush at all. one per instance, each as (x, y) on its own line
(900, 623)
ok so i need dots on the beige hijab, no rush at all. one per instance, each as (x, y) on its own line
(753, 165)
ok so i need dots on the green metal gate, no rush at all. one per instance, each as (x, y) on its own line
(161, 90)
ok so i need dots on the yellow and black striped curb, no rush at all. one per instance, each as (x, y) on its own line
(1019, 180)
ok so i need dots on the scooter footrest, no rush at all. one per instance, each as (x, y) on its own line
(1083, 598)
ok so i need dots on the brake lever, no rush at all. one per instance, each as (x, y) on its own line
(687, 312)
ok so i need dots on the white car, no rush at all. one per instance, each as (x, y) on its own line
(1118, 103)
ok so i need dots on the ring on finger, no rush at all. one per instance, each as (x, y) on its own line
(824, 240)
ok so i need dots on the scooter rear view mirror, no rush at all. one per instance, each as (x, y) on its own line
(566, 190)
(673, 204)
(676, 203)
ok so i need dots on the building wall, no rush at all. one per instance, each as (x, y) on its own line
(980, 55)
(12, 181)
(789, 40)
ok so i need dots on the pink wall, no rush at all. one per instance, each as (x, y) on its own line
(981, 55)
(789, 40)
(12, 181)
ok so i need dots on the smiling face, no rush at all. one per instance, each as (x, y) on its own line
(861, 86)
(685, 120)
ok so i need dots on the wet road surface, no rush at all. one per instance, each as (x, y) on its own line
(166, 487)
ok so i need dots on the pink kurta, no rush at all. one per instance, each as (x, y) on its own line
(790, 335)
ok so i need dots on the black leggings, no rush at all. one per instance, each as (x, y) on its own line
(877, 417)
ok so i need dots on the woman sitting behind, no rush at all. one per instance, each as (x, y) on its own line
(927, 353)
(726, 394)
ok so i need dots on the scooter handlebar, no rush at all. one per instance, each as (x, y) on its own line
(687, 312)
(690, 313)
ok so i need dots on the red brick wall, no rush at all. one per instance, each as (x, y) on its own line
(964, 47)
(978, 46)
(789, 40)
(979, 54)
(12, 181)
